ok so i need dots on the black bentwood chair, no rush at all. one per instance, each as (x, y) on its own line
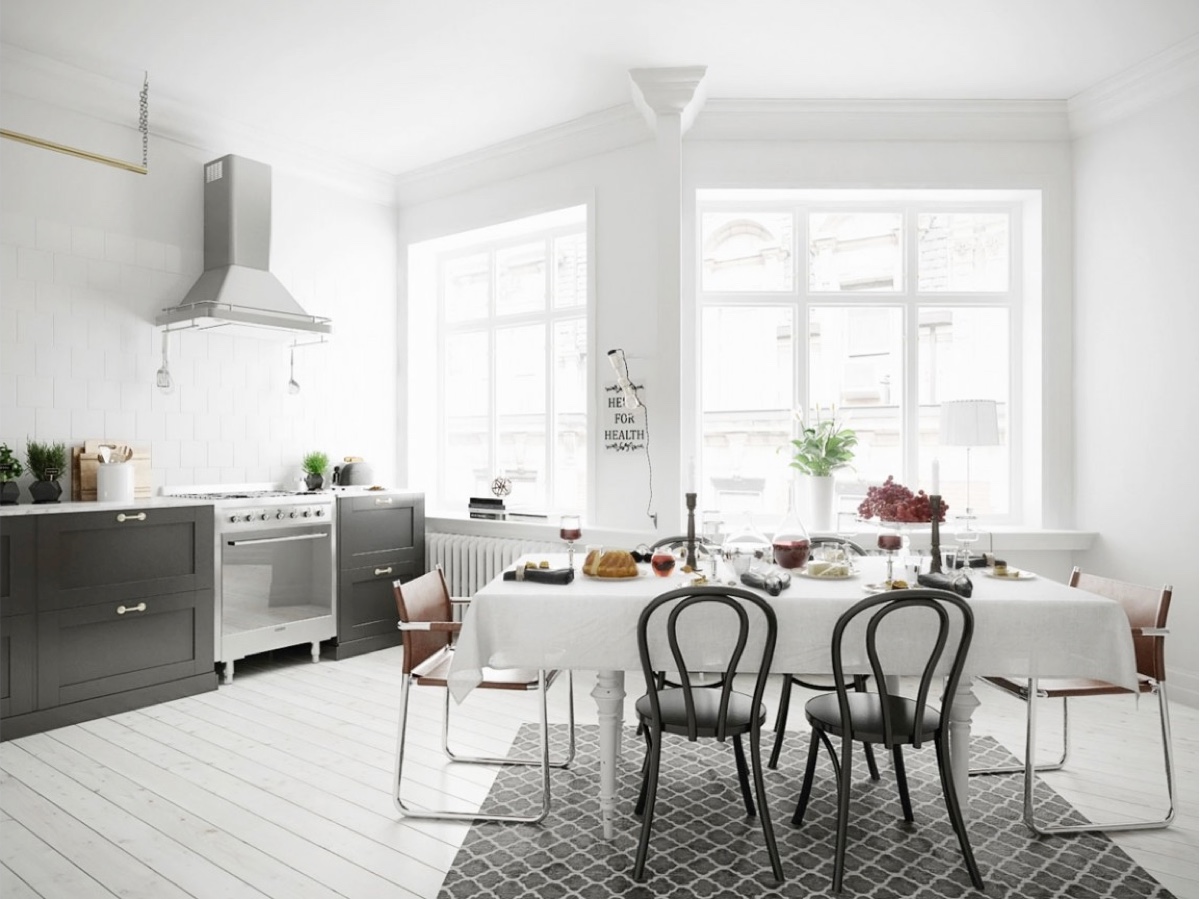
(692, 711)
(425, 610)
(892, 721)
(1146, 608)
(806, 681)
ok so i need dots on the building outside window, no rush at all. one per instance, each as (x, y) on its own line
(511, 373)
(872, 306)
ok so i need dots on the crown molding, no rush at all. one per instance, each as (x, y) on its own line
(590, 135)
(882, 119)
(113, 99)
(1135, 89)
(677, 91)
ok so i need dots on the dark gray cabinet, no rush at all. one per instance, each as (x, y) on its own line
(18, 602)
(122, 615)
(381, 538)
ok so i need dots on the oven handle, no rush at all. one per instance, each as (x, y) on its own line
(256, 540)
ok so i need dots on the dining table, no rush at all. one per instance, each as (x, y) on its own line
(1027, 625)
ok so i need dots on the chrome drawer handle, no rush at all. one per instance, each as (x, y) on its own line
(379, 571)
(121, 516)
(383, 500)
(140, 607)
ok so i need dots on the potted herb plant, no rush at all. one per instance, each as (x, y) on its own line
(47, 462)
(314, 465)
(10, 469)
(822, 448)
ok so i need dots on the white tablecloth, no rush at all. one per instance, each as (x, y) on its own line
(1036, 627)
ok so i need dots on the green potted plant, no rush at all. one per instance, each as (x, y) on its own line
(822, 448)
(10, 469)
(47, 462)
(314, 465)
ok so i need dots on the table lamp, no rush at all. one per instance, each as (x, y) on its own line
(969, 423)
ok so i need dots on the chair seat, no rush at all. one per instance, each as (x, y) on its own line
(1065, 687)
(672, 705)
(866, 716)
(433, 672)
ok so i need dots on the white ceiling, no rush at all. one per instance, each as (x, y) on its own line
(395, 85)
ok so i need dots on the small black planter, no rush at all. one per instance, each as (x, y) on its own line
(45, 491)
(314, 481)
(10, 492)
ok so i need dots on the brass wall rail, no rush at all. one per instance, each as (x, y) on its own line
(73, 151)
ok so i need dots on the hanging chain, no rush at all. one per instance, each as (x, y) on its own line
(144, 117)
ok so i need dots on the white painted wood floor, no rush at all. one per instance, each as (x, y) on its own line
(278, 785)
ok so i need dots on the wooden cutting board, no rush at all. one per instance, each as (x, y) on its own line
(85, 460)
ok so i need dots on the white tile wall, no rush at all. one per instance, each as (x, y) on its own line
(79, 352)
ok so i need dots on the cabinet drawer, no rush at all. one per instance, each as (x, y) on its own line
(112, 647)
(18, 565)
(117, 555)
(18, 664)
(366, 603)
(370, 527)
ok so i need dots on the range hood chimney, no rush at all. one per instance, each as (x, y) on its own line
(237, 293)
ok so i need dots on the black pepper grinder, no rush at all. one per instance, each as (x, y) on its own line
(691, 530)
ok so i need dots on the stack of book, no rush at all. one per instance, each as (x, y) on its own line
(487, 507)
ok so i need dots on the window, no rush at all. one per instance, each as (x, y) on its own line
(878, 305)
(511, 360)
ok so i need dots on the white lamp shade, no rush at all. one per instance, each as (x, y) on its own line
(969, 423)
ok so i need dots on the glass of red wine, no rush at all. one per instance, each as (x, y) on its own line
(890, 540)
(663, 562)
(570, 529)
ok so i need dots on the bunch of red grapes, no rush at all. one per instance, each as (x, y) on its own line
(895, 502)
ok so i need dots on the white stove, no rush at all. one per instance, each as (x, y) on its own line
(274, 579)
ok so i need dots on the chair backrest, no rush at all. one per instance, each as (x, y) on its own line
(424, 598)
(687, 605)
(674, 543)
(850, 545)
(945, 639)
(1145, 607)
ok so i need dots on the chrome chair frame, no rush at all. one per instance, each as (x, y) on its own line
(419, 672)
(1150, 681)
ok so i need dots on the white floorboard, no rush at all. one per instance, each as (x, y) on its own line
(278, 785)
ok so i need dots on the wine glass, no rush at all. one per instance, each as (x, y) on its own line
(965, 536)
(847, 529)
(890, 541)
(570, 529)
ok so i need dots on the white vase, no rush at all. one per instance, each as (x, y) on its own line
(818, 502)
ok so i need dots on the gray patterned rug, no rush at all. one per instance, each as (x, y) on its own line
(703, 845)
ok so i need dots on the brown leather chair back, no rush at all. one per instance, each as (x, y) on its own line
(1145, 607)
(425, 598)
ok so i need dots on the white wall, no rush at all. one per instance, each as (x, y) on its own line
(1136, 372)
(90, 254)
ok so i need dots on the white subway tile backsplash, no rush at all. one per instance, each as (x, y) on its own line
(103, 394)
(220, 453)
(51, 362)
(165, 453)
(120, 365)
(70, 331)
(88, 362)
(121, 424)
(71, 393)
(120, 248)
(172, 259)
(69, 269)
(136, 396)
(88, 242)
(87, 424)
(50, 424)
(35, 265)
(104, 274)
(53, 236)
(18, 295)
(17, 425)
(8, 392)
(151, 426)
(179, 426)
(53, 297)
(18, 228)
(207, 426)
(193, 453)
(16, 358)
(149, 254)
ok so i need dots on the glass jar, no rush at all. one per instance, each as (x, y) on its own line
(747, 546)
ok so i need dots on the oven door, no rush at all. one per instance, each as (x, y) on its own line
(273, 577)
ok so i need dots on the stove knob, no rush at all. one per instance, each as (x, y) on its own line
(279, 514)
(291, 514)
(320, 513)
(306, 513)
(263, 517)
(233, 519)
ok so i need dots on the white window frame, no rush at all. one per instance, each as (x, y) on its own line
(910, 203)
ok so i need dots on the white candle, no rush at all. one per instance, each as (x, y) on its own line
(936, 473)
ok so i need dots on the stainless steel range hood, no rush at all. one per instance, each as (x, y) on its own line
(237, 292)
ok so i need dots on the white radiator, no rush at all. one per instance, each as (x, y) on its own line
(470, 561)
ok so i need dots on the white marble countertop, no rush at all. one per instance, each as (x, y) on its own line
(153, 502)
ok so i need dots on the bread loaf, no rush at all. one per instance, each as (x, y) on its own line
(612, 563)
(590, 563)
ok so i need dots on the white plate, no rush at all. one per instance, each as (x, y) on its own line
(825, 577)
(876, 588)
(1014, 574)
